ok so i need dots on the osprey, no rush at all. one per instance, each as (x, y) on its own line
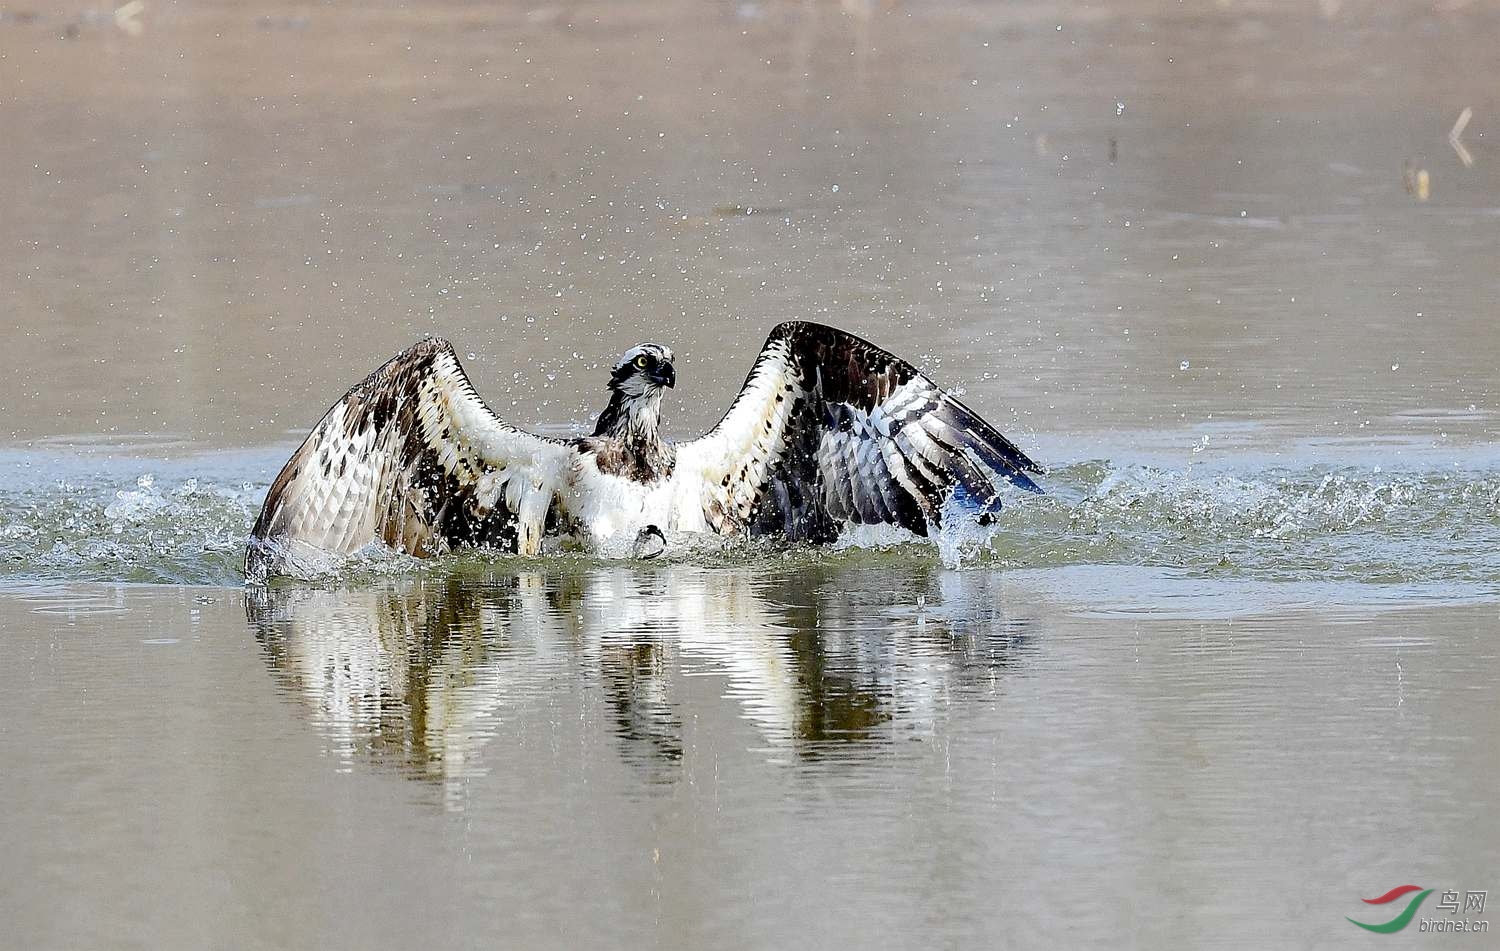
(828, 430)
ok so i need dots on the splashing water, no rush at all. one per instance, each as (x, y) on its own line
(186, 533)
(1279, 524)
(1323, 523)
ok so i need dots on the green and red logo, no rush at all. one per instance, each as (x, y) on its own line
(1401, 920)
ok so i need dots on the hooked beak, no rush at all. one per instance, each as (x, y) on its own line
(664, 375)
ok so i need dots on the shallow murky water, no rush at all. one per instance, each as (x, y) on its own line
(1236, 671)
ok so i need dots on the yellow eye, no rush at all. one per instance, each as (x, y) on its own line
(641, 361)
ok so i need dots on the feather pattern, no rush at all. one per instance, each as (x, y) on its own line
(830, 429)
(412, 458)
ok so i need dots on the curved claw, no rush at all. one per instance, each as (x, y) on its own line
(649, 543)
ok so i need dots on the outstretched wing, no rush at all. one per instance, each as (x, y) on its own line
(413, 458)
(830, 429)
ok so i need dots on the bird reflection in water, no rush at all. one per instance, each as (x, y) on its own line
(423, 675)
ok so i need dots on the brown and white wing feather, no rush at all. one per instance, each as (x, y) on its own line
(830, 429)
(412, 458)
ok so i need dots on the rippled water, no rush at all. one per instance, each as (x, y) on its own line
(1431, 527)
(1234, 672)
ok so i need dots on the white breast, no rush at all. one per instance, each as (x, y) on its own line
(612, 509)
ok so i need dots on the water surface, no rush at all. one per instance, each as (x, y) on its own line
(1235, 671)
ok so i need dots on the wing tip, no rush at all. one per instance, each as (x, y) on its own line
(994, 447)
(1027, 465)
(1023, 481)
(1017, 468)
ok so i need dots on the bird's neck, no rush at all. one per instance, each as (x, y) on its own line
(632, 420)
(625, 442)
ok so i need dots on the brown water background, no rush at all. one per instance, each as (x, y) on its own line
(1237, 671)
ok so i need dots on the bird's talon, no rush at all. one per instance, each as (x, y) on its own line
(649, 543)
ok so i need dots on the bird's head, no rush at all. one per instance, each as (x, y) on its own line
(635, 385)
(643, 371)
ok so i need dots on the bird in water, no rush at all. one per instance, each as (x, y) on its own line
(828, 430)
